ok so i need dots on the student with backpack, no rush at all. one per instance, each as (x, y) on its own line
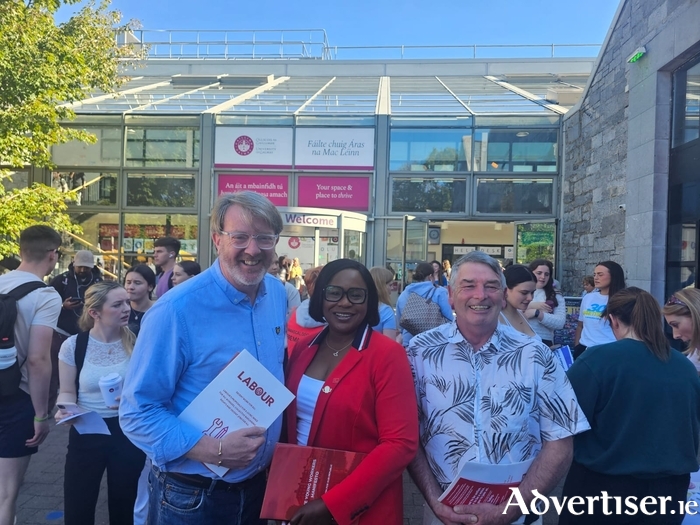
(26, 327)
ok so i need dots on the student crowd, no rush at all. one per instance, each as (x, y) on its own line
(480, 386)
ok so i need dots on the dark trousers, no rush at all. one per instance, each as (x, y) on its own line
(582, 481)
(88, 457)
(578, 350)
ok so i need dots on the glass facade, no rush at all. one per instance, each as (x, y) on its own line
(684, 181)
(428, 195)
(155, 170)
(430, 150)
(160, 190)
(466, 153)
(440, 148)
(157, 147)
(514, 196)
(687, 103)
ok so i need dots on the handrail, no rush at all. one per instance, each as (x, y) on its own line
(313, 44)
(477, 50)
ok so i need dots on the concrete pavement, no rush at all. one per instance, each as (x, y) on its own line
(40, 499)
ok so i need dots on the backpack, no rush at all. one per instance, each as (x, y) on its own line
(10, 369)
(81, 343)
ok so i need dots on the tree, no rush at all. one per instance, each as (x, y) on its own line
(42, 67)
(21, 208)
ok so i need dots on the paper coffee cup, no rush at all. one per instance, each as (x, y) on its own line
(111, 387)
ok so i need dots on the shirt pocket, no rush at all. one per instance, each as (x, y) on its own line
(506, 413)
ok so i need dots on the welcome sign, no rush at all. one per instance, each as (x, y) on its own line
(333, 149)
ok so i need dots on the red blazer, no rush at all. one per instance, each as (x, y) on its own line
(367, 404)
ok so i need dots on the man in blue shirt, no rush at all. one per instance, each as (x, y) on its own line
(186, 339)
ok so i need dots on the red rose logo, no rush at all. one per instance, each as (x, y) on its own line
(259, 391)
(244, 145)
(294, 242)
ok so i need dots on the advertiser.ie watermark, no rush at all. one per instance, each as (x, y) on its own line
(578, 505)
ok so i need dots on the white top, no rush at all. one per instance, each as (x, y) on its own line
(100, 359)
(38, 308)
(596, 330)
(545, 324)
(307, 395)
(695, 359)
(504, 321)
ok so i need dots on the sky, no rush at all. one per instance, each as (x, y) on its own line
(387, 22)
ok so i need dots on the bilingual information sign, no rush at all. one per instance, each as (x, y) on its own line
(334, 149)
(339, 193)
(273, 187)
(263, 148)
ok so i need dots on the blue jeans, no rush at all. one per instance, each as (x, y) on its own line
(173, 502)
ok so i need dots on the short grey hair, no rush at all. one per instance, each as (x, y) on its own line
(254, 206)
(481, 258)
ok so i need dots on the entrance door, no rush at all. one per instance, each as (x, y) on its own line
(535, 240)
(415, 245)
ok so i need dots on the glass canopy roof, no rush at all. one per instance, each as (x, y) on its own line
(227, 94)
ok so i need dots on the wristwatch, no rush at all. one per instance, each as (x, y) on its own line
(537, 314)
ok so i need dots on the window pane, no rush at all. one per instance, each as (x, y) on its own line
(531, 196)
(515, 150)
(162, 190)
(687, 126)
(93, 188)
(428, 195)
(162, 147)
(430, 150)
(106, 152)
(100, 236)
(141, 231)
(14, 180)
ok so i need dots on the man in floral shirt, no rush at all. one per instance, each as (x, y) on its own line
(488, 394)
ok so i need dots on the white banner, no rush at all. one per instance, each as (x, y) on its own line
(253, 148)
(334, 149)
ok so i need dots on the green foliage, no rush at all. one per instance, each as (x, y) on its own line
(21, 208)
(43, 66)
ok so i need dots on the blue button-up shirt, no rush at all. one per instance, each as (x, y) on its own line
(185, 340)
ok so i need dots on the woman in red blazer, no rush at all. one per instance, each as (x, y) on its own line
(354, 392)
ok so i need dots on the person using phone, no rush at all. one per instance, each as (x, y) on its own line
(71, 285)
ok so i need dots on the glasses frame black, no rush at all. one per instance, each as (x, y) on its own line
(345, 293)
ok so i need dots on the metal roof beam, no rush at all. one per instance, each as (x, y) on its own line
(311, 99)
(526, 94)
(455, 96)
(383, 106)
(245, 96)
(174, 97)
(115, 95)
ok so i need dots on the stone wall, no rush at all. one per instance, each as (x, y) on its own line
(616, 147)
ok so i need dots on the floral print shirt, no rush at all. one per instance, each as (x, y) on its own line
(496, 405)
